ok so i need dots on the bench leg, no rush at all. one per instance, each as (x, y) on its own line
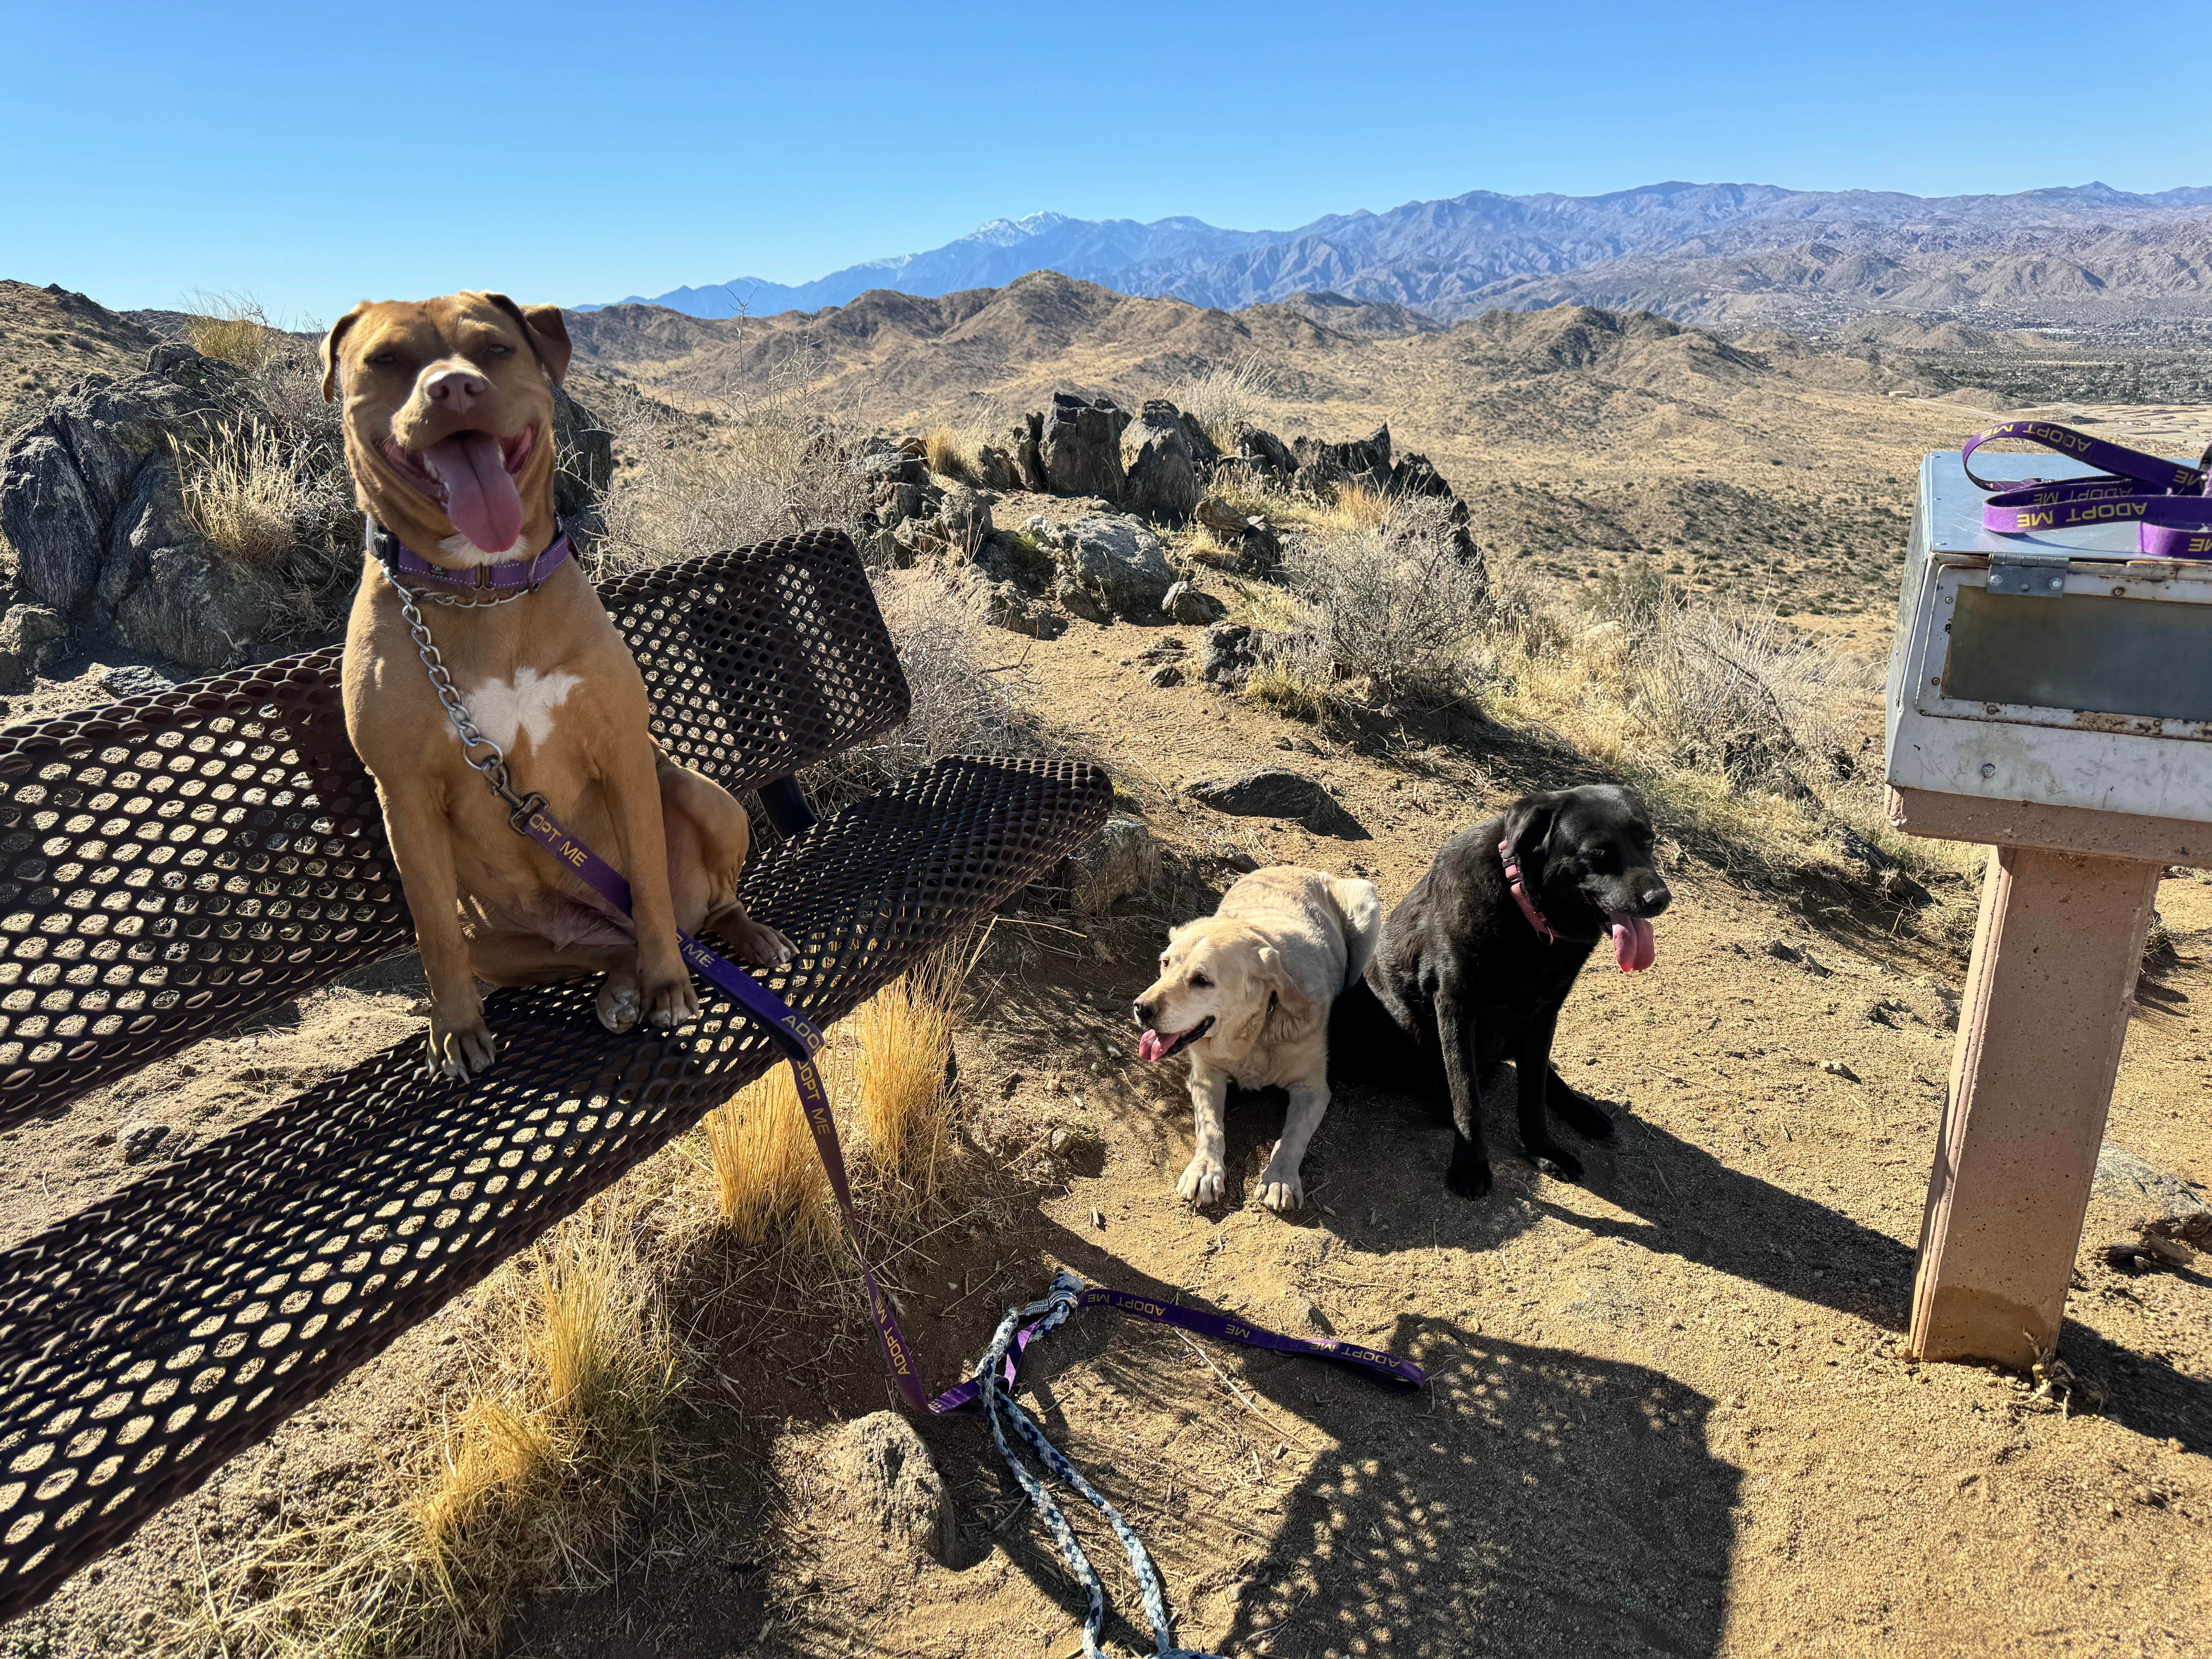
(786, 806)
(2040, 1030)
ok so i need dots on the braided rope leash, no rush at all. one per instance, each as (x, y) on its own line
(987, 1387)
(1049, 1314)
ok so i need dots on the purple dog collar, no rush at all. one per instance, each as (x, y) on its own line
(2166, 501)
(396, 555)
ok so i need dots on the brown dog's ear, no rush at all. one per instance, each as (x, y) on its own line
(1295, 1012)
(330, 350)
(541, 327)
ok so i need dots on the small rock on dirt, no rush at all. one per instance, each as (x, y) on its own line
(1187, 604)
(142, 1139)
(133, 680)
(1166, 674)
(889, 1479)
(1122, 859)
(2122, 1175)
(1274, 792)
(1837, 1068)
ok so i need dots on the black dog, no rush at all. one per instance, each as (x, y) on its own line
(1474, 965)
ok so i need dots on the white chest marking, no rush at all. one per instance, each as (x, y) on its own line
(461, 548)
(507, 713)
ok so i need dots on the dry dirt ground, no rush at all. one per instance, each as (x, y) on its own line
(1666, 1414)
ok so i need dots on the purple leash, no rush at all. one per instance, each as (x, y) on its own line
(2165, 500)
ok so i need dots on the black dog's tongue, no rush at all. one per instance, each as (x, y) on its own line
(480, 498)
(1633, 947)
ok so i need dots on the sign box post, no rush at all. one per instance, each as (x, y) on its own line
(2049, 697)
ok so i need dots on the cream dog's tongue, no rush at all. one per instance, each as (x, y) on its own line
(1151, 1046)
(481, 499)
(1632, 945)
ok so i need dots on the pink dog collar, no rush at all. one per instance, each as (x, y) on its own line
(1521, 894)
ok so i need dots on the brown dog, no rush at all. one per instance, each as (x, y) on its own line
(449, 433)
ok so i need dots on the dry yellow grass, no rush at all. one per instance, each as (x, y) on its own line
(902, 1048)
(767, 1177)
(532, 1472)
(235, 329)
(950, 452)
(243, 490)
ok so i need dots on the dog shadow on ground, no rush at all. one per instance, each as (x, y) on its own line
(1530, 1501)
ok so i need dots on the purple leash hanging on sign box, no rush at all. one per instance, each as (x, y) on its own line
(2165, 500)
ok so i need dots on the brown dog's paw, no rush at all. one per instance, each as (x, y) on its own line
(460, 1048)
(619, 1001)
(758, 944)
(671, 1002)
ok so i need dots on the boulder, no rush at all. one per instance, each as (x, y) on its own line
(31, 637)
(1227, 657)
(587, 452)
(1264, 453)
(1122, 860)
(1166, 674)
(1078, 601)
(1159, 478)
(999, 468)
(882, 1470)
(2121, 1175)
(963, 519)
(1006, 606)
(1251, 539)
(132, 680)
(193, 608)
(1028, 437)
(1079, 446)
(1274, 793)
(1326, 469)
(1187, 604)
(65, 478)
(1205, 453)
(1116, 560)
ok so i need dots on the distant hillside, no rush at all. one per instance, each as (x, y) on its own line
(1726, 255)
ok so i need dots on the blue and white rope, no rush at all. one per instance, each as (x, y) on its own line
(1051, 1312)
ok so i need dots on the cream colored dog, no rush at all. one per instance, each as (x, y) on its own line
(1246, 992)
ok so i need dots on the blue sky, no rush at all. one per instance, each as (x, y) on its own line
(314, 155)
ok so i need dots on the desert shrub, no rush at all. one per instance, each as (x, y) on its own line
(1737, 693)
(765, 466)
(1632, 594)
(1390, 598)
(1221, 395)
(278, 507)
(534, 1468)
(902, 1048)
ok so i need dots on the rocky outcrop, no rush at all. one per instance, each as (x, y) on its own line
(1079, 446)
(1110, 565)
(92, 501)
(1186, 603)
(31, 637)
(1325, 468)
(1160, 474)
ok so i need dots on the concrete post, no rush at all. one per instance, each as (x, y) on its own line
(2040, 1029)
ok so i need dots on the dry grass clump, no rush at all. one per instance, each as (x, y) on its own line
(1393, 606)
(1223, 395)
(902, 1050)
(276, 506)
(950, 452)
(768, 1180)
(234, 329)
(772, 462)
(556, 1438)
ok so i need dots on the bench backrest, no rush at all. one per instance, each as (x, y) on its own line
(172, 865)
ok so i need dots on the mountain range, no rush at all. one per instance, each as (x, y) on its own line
(1723, 254)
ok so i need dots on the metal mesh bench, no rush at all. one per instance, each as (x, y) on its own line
(172, 865)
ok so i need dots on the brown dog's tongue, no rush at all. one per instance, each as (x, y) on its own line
(480, 497)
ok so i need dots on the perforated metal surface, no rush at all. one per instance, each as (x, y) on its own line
(146, 1340)
(172, 865)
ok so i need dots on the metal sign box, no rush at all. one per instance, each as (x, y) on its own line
(2038, 678)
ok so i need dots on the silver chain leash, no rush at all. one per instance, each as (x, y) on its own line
(493, 768)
